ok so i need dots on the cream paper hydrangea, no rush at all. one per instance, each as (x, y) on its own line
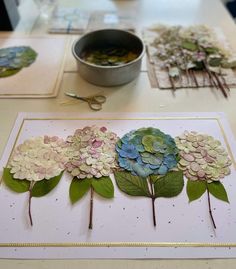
(202, 157)
(38, 158)
(91, 152)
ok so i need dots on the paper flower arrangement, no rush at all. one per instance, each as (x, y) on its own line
(36, 167)
(204, 162)
(148, 158)
(13, 59)
(184, 51)
(145, 162)
(92, 159)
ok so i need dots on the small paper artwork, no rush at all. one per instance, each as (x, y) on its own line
(189, 57)
(145, 162)
(133, 174)
(31, 67)
(149, 157)
(205, 163)
(36, 166)
(92, 159)
(13, 59)
(68, 20)
(110, 19)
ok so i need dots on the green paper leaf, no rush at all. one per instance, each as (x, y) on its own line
(218, 191)
(154, 178)
(195, 189)
(189, 45)
(212, 50)
(78, 188)
(169, 185)
(119, 143)
(214, 61)
(132, 185)
(16, 185)
(103, 186)
(44, 186)
(7, 72)
(28, 57)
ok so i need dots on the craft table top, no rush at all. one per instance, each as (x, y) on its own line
(137, 96)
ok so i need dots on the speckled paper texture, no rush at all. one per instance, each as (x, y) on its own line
(122, 226)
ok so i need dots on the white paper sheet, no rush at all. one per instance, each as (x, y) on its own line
(122, 226)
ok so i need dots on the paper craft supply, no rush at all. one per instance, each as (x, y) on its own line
(205, 164)
(92, 160)
(147, 158)
(184, 230)
(67, 20)
(13, 59)
(110, 19)
(42, 78)
(189, 57)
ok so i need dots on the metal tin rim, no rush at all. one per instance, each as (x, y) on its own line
(108, 67)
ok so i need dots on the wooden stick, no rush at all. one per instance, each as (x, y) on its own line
(29, 208)
(209, 207)
(195, 79)
(91, 210)
(212, 81)
(221, 86)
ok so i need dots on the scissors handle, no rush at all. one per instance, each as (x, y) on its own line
(99, 99)
(94, 105)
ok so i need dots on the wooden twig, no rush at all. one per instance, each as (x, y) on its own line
(29, 203)
(153, 201)
(195, 79)
(91, 210)
(221, 86)
(224, 81)
(209, 207)
(211, 77)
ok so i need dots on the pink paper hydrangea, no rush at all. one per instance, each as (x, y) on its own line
(38, 158)
(91, 152)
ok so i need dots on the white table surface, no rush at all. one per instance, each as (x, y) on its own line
(136, 96)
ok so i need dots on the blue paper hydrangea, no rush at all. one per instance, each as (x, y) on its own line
(13, 59)
(147, 151)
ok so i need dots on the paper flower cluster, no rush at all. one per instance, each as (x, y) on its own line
(91, 152)
(38, 158)
(147, 151)
(202, 157)
(190, 57)
(13, 59)
(187, 47)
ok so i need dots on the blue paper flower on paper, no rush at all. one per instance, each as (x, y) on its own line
(147, 151)
(128, 151)
(13, 59)
(125, 163)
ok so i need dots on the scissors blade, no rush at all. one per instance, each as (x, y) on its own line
(71, 94)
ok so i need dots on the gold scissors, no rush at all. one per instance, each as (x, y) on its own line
(95, 101)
